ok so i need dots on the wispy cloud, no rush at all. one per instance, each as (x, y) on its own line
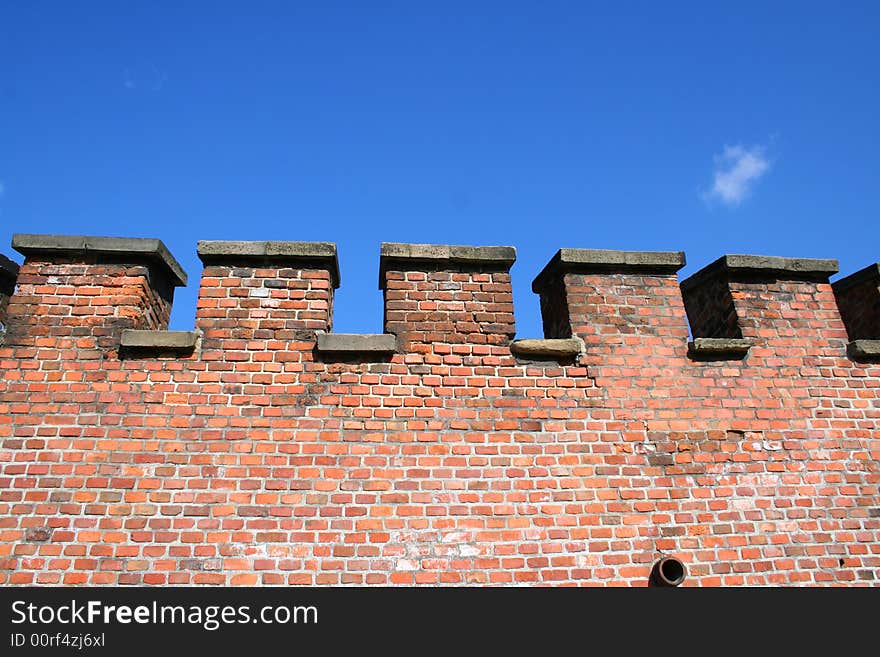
(143, 76)
(737, 170)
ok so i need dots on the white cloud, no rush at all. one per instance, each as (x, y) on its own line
(143, 76)
(737, 170)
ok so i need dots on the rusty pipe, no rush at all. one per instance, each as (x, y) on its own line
(668, 571)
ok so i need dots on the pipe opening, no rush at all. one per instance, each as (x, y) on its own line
(668, 571)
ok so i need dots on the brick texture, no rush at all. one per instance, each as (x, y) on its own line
(8, 274)
(252, 461)
(83, 298)
(452, 305)
(711, 311)
(859, 301)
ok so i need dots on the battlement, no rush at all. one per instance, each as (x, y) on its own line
(276, 291)
(745, 299)
(447, 294)
(604, 296)
(730, 420)
(90, 286)
(441, 294)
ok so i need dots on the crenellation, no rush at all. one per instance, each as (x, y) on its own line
(615, 301)
(90, 286)
(447, 294)
(261, 448)
(265, 290)
(765, 299)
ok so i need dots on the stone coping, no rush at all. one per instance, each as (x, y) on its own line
(356, 342)
(864, 349)
(115, 247)
(871, 272)
(168, 340)
(530, 348)
(322, 254)
(592, 261)
(735, 347)
(774, 266)
(396, 254)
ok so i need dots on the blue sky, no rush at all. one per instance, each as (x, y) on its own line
(705, 127)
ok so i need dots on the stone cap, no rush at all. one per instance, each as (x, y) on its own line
(533, 348)
(710, 347)
(781, 268)
(170, 340)
(8, 268)
(116, 247)
(356, 342)
(871, 272)
(395, 253)
(322, 254)
(590, 261)
(864, 349)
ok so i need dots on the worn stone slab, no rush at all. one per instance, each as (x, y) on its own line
(171, 340)
(719, 346)
(453, 253)
(116, 247)
(8, 268)
(234, 251)
(220, 248)
(871, 272)
(779, 267)
(396, 254)
(864, 349)
(547, 348)
(356, 342)
(588, 261)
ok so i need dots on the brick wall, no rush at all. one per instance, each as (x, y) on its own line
(451, 295)
(249, 455)
(858, 298)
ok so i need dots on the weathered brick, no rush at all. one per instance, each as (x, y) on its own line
(256, 460)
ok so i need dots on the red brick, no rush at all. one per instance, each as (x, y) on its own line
(256, 461)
